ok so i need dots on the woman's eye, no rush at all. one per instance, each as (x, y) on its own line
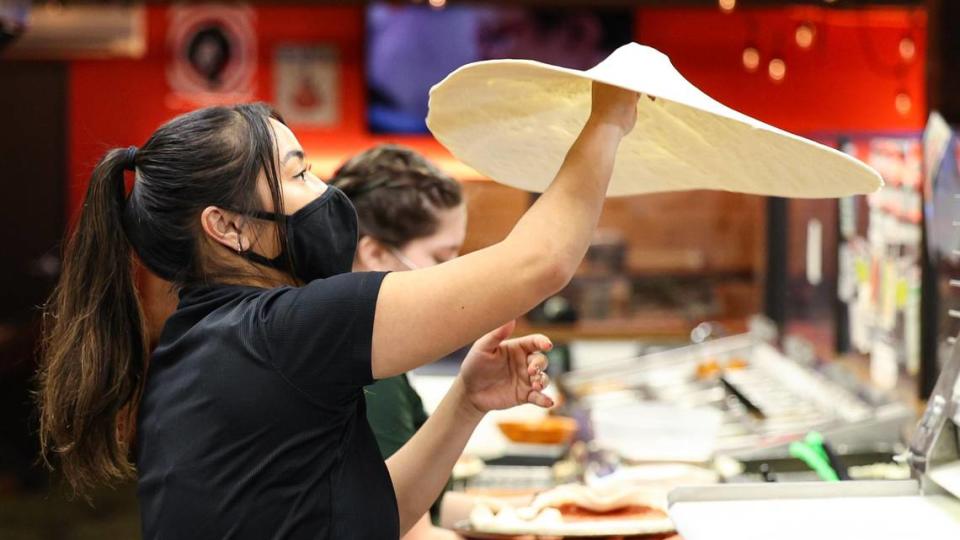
(302, 175)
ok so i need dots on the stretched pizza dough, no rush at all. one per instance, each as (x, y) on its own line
(514, 120)
(542, 516)
(599, 499)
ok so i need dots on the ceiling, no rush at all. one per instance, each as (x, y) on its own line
(740, 4)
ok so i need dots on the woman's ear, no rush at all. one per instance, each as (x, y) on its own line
(224, 228)
(371, 255)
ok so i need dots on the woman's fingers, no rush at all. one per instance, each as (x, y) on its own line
(539, 399)
(536, 371)
(536, 362)
(495, 338)
(543, 381)
(530, 344)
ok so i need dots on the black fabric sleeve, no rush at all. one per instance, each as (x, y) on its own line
(319, 336)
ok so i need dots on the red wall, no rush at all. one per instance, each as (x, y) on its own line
(833, 87)
(121, 102)
(846, 81)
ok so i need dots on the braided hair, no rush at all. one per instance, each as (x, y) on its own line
(397, 193)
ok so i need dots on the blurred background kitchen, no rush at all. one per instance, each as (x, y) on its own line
(745, 321)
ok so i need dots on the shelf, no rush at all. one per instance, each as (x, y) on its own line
(649, 327)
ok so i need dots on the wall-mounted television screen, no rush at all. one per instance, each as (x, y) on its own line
(412, 47)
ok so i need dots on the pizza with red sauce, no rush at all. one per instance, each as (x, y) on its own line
(577, 510)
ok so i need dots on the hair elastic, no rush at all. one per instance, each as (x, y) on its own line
(129, 158)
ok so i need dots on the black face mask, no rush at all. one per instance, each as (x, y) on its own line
(322, 235)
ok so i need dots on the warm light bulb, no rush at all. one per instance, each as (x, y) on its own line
(777, 69)
(907, 48)
(751, 58)
(804, 35)
(727, 6)
(903, 103)
(438, 3)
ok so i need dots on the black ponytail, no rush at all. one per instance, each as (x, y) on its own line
(94, 348)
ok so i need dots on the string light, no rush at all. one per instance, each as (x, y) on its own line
(751, 59)
(777, 69)
(804, 35)
(907, 48)
(727, 6)
(903, 102)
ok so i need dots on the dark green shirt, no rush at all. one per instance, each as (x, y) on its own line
(395, 412)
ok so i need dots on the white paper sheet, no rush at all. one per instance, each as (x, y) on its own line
(658, 432)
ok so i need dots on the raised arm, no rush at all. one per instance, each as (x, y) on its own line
(424, 314)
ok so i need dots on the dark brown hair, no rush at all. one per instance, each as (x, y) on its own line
(397, 193)
(93, 356)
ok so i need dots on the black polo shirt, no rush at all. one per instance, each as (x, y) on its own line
(253, 423)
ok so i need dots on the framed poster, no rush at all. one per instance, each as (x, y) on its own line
(213, 54)
(306, 82)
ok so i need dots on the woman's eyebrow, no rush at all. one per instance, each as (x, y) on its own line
(292, 154)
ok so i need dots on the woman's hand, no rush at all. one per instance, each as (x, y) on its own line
(499, 373)
(615, 106)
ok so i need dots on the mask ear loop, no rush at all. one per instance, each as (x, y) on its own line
(403, 258)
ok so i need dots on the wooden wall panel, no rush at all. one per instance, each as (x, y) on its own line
(693, 232)
(492, 211)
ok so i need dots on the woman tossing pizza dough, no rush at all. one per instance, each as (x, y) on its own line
(250, 414)
(513, 120)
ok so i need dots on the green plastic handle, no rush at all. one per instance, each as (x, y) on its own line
(815, 440)
(813, 459)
